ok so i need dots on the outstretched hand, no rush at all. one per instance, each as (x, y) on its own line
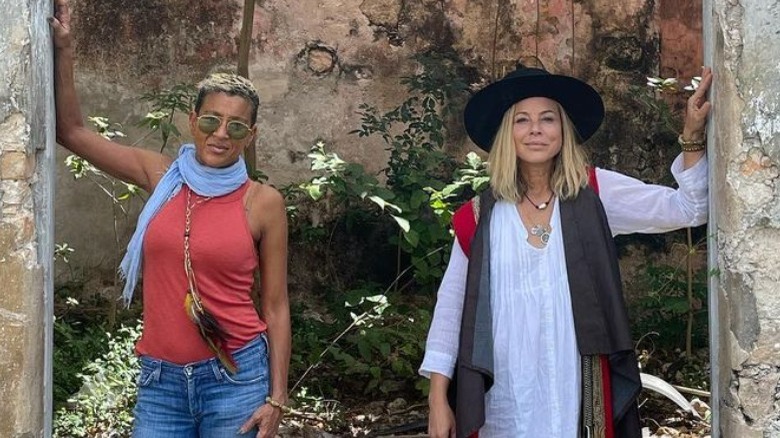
(698, 108)
(60, 24)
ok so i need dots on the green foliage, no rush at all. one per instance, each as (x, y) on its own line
(105, 128)
(115, 189)
(414, 133)
(389, 342)
(77, 343)
(104, 404)
(674, 306)
(348, 184)
(62, 251)
(663, 98)
(370, 338)
(664, 308)
(469, 179)
(377, 354)
(164, 105)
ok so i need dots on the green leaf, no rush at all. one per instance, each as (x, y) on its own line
(412, 237)
(423, 385)
(418, 198)
(677, 305)
(404, 224)
(365, 349)
(382, 204)
(314, 191)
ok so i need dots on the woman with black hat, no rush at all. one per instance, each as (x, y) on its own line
(530, 335)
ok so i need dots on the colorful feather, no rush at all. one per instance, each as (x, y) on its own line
(210, 330)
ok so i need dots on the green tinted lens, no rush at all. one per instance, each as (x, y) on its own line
(208, 124)
(237, 130)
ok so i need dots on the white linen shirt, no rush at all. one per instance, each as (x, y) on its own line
(536, 361)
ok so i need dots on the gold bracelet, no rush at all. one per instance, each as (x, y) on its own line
(285, 409)
(690, 145)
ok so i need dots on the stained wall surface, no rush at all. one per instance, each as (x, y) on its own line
(314, 62)
(26, 153)
(746, 50)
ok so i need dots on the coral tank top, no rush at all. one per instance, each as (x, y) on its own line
(224, 259)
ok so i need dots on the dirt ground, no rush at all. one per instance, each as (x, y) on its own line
(397, 418)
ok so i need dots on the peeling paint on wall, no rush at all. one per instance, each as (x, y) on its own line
(23, 201)
(746, 56)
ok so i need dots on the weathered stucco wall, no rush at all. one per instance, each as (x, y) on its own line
(746, 48)
(25, 218)
(314, 62)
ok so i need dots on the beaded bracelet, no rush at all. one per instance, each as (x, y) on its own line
(284, 408)
(690, 145)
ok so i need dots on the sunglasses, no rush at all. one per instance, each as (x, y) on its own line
(236, 130)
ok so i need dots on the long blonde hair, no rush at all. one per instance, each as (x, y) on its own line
(570, 166)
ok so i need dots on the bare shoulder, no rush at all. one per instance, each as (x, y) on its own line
(265, 209)
(267, 198)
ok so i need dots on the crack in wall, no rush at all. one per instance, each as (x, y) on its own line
(752, 398)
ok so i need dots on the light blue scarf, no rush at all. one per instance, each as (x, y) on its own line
(203, 180)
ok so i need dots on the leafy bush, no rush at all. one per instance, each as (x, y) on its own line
(105, 402)
(371, 337)
(376, 354)
(664, 308)
(76, 344)
(414, 133)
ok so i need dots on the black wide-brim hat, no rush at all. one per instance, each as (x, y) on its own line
(485, 110)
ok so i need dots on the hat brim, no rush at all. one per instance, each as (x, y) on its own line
(485, 110)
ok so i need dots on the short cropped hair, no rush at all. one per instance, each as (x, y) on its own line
(231, 84)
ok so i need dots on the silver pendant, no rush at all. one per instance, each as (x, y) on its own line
(542, 232)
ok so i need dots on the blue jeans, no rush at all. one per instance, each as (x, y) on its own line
(201, 399)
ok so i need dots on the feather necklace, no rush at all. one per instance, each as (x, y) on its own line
(208, 326)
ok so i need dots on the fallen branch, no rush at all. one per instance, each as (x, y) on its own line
(693, 391)
(409, 409)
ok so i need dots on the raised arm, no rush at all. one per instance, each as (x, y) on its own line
(134, 165)
(635, 207)
(696, 112)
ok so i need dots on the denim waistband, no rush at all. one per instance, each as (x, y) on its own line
(256, 346)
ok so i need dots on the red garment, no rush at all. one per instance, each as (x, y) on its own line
(607, 385)
(224, 259)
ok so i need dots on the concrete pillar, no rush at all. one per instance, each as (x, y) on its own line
(743, 45)
(26, 224)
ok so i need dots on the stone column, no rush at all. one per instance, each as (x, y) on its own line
(26, 224)
(743, 39)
